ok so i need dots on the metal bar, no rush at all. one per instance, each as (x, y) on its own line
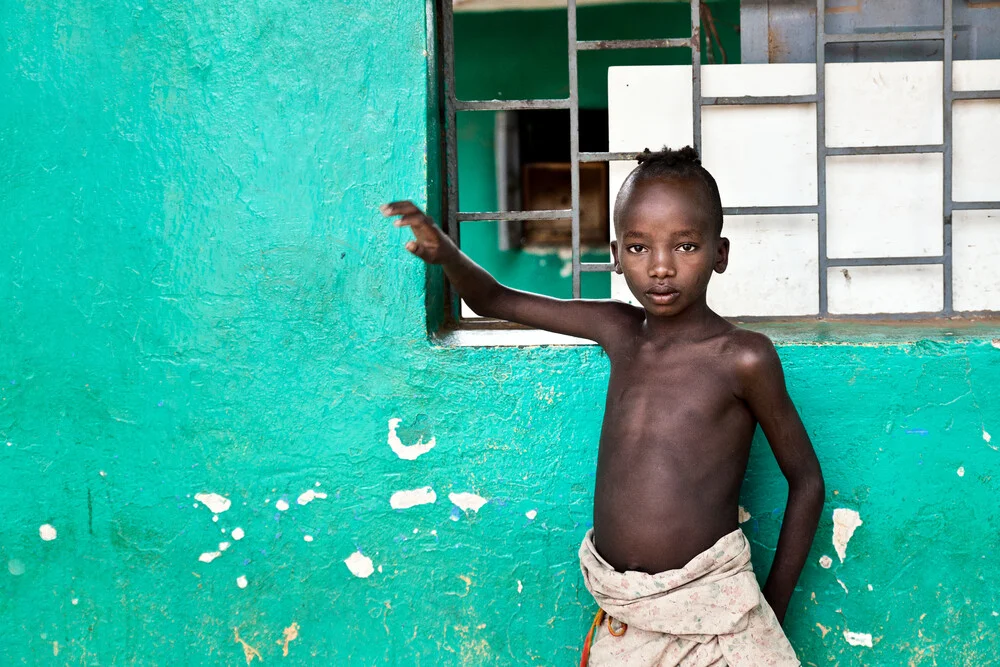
(696, 74)
(763, 99)
(451, 138)
(621, 44)
(904, 36)
(883, 261)
(821, 153)
(949, 55)
(558, 214)
(607, 157)
(509, 105)
(975, 205)
(975, 95)
(885, 150)
(574, 143)
(769, 210)
(597, 267)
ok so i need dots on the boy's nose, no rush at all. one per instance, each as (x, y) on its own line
(662, 267)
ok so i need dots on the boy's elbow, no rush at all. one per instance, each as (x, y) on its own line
(809, 485)
(488, 303)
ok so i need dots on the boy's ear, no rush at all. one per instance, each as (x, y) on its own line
(722, 255)
(614, 257)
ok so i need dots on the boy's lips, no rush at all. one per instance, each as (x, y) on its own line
(662, 296)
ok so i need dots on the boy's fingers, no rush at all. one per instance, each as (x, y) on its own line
(412, 246)
(400, 208)
(411, 220)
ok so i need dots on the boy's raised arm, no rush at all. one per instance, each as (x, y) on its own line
(767, 396)
(591, 319)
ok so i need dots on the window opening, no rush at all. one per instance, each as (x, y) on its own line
(530, 202)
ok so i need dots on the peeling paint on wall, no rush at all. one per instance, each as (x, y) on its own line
(407, 452)
(467, 501)
(405, 499)
(47, 532)
(359, 565)
(308, 496)
(858, 638)
(214, 502)
(845, 522)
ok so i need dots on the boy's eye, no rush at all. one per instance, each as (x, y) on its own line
(635, 248)
(687, 247)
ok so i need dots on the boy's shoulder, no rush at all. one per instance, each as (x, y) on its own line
(753, 356)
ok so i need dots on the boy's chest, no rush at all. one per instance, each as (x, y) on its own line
(692, 380)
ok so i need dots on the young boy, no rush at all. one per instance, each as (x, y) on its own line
(666, 559)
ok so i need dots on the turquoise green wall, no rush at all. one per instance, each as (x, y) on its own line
(522, 55)
(200, 296)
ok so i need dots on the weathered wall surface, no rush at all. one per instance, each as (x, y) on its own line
(199, 297)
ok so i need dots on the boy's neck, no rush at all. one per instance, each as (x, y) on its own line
(689, 324)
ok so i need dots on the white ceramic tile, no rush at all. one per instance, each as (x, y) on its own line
(884, 205)
(857, 290)
(761, 155)
(976, 150)
(975, 75)
(884, 104)
(773, 267)
(759, 80)
(649, 107)
(975, 244)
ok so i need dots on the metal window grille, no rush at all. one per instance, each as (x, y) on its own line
(945, 35)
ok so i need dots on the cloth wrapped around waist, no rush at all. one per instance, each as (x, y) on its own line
(710, 612)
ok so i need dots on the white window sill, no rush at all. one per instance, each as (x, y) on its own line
(508, 338)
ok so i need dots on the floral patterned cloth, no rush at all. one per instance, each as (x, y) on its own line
(709, 613)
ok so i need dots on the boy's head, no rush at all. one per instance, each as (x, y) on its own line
(668, 225)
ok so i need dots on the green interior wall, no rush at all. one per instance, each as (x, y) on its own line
(522, 55)
(200, 296)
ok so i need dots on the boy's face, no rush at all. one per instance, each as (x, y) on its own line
(667, 247)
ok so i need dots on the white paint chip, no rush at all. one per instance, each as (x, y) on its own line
(986, 436)
(870, 587)
(825, 562)
(209, 556)
(237, 533)
(214, 502)
(845, 522)
(75, 601)
(744, 516)
(843, 585)
(961, 471)
(307, 538)
(359, 565)
(379, 568)
(407, 452)
(531, 514)
(281, 505)
(402, 500)
(241, 581)
(467, 501)
(47, 532)
(858, 638)
(215, 519)
(309, 496)
(519, 586)
(223, 546)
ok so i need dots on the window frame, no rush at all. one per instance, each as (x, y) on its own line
(451, 106)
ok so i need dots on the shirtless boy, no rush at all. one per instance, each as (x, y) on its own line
(666, 560)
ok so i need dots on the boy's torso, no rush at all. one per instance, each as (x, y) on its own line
(674, 448)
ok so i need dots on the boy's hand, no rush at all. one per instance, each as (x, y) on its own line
(430, 244)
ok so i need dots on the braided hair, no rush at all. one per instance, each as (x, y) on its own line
(668, 164)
